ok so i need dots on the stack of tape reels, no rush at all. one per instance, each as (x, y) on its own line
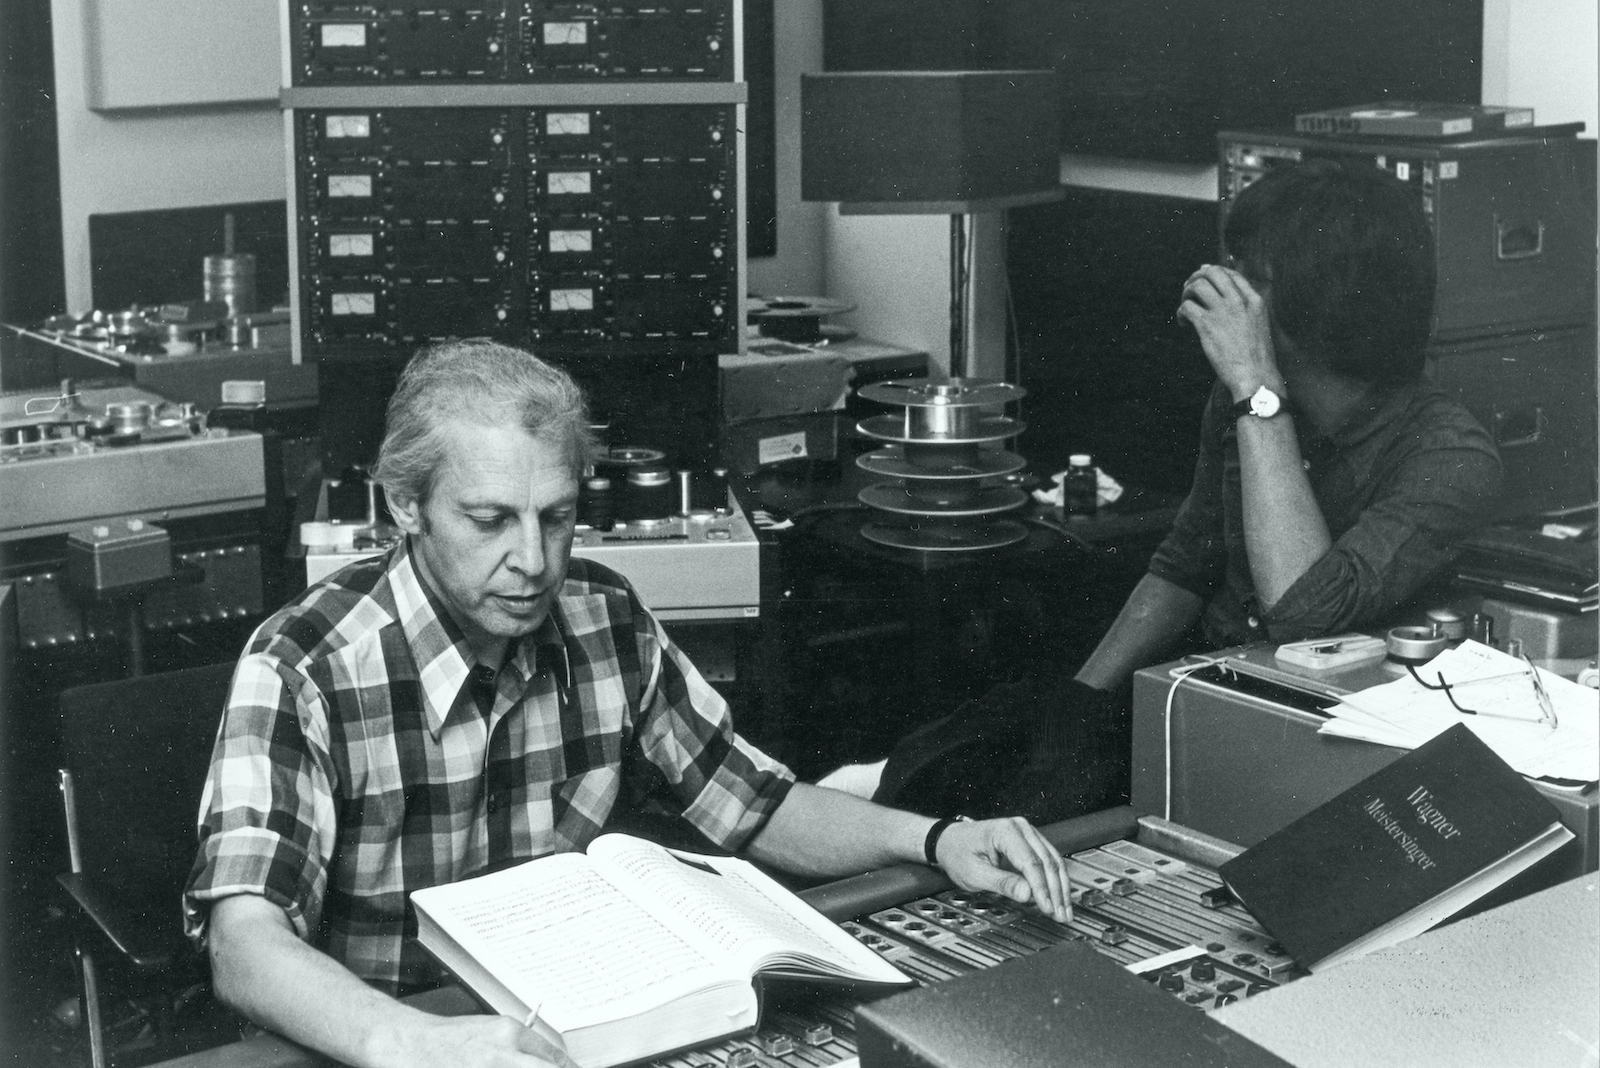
(947, 487)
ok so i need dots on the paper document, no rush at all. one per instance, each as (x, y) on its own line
(1506, 713)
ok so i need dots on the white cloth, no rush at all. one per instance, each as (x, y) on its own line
(859, 779)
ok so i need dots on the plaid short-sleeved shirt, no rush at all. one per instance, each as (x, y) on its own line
(363, 755)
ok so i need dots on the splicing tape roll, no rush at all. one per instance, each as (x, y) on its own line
(1414, 645)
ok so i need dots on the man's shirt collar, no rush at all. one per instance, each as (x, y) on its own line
(438, 645)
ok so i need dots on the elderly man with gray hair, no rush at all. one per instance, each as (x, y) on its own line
(476, 698)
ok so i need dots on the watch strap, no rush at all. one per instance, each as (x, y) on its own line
(930, 844)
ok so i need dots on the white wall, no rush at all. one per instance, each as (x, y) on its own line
(797, 269)
(151, 158)
(895, 269)
(1544, 54)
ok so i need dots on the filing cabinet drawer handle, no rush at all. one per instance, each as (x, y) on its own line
(1518, 241)
(1519, 426)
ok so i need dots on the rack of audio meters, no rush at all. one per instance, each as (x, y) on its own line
(561, 176)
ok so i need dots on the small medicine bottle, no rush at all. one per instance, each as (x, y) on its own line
(1079, 485)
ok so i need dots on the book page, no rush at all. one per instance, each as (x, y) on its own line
(536, 927)
(730, 905)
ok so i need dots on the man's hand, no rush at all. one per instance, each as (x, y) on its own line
(817, 831)
(489, 1041)
(1235, 329)
(1009, 857)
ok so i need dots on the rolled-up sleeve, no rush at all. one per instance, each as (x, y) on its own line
(1406, 536)
(728, 788)
(267, 818)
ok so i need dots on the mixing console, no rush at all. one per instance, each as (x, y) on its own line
(1145, 894)
(1163, 916)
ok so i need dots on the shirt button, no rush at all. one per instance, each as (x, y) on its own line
(495, 801)
(1253, 622)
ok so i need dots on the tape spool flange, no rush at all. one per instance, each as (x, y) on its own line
(797, 319)
(918, 461)
(946, 413)
(948, 500)
(947, 537)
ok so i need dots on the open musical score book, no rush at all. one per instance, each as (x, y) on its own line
(631, 950)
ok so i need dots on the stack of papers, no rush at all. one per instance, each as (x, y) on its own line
(1508, 718)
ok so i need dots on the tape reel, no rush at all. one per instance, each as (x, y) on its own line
(949, 537)
(799, 319)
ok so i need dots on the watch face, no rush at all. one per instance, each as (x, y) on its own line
(1264, 403)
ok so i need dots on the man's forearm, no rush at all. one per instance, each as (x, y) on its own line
(261, 969)
(825, 832)
(1152, 621)
(1284, 530)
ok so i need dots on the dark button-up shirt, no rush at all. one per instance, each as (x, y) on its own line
(364, 754)
(1399, 485)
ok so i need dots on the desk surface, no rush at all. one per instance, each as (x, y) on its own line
(1519, 985)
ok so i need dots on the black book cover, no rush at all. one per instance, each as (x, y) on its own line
(1399, 838)
(1066, 1005)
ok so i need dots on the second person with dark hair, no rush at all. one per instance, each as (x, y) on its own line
(1332, 485)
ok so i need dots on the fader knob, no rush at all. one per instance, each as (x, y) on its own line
(1114, 934)
(818, 1034)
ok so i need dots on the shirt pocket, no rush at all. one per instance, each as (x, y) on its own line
(580, 804)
